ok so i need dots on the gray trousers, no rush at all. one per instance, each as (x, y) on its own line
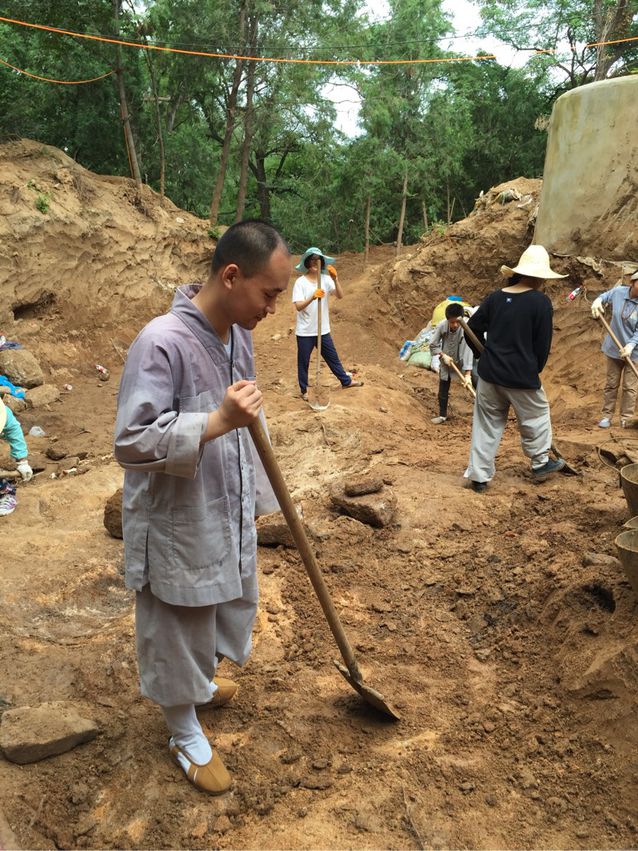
(490, 418)
(177, 645)
(617, 369)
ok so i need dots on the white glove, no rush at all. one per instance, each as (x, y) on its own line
(597, 308)
(467, 381)
(24, 468)
(626, 351)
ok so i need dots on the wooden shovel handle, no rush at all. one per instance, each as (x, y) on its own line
(318, 328)
(471, 335)
(607, 327)
(267, 456)
(450, 362)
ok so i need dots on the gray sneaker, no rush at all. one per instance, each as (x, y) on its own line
(553, 465)
(439, 420)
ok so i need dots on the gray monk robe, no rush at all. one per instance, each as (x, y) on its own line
(188, 510)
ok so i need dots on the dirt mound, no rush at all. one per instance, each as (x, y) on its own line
(84, 248)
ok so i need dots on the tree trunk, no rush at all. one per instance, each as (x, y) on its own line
(366, 253)
(404, 201)
(248, 123)
(425, 217)
(158, 119)
(230, 124)
(124, 113)
(263, 195)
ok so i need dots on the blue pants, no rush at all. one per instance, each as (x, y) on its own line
(305, 345)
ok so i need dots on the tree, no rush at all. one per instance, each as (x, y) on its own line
(564, 28)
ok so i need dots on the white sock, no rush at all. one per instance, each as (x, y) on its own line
(187, 734)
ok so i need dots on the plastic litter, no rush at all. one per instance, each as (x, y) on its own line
(102, 372)
(36, 431)
(573, 294)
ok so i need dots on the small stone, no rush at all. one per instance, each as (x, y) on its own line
(360, 487)
(312, 782)
(320, 764)
(113, 515)
(491, 800)
(200, 830)
(223, 824)
(467, 787)
(367, 822)
(600, 560)
(489, 726)
(56, 452)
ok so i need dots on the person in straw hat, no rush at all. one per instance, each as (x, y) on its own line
(624, 324)
(11, 431)
(515, 324)
(305, 294)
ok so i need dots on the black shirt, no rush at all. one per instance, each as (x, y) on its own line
(519, 337)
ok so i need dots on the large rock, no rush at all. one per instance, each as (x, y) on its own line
(21, 368)
(273, 531)
(43, 395)
(113, 514)
(377, 509)
(32, 733)
(588, 203)
(16, 405)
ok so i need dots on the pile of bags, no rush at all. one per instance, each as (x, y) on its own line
(417, 352)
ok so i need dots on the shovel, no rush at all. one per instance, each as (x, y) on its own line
(480, 347)
(317, 399)
(448, 361)
(351, 669)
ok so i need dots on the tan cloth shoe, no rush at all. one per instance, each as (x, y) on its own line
(211, 778)
(226, 691)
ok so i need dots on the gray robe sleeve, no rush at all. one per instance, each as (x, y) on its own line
(150, 434)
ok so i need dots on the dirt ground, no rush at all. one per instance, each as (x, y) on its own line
(512, 658)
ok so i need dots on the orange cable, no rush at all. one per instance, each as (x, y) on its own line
(49, 80)
(615, 41)
(248, 58)
(266, 58)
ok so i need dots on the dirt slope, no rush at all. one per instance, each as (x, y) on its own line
(514, 664)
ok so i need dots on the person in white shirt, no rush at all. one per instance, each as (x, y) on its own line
(304, 296)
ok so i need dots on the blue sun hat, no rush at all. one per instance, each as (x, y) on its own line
(301, 267)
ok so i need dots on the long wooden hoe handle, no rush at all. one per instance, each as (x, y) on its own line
(264, 449)
(607, 327)
(318, 329)
(450, 362)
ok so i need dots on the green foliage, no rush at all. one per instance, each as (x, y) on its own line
(453, 128)
(42, 202)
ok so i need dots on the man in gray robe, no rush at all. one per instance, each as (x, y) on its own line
(194, 484)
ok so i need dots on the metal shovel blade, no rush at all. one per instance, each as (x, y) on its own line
(369, 694)
(318, 398)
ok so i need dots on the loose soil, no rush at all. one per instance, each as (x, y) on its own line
(512, 658)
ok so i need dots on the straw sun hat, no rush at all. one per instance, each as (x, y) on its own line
(534, 263)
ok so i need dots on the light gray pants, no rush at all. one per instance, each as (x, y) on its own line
(490, 418)
(616, 370)
(177, 645)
